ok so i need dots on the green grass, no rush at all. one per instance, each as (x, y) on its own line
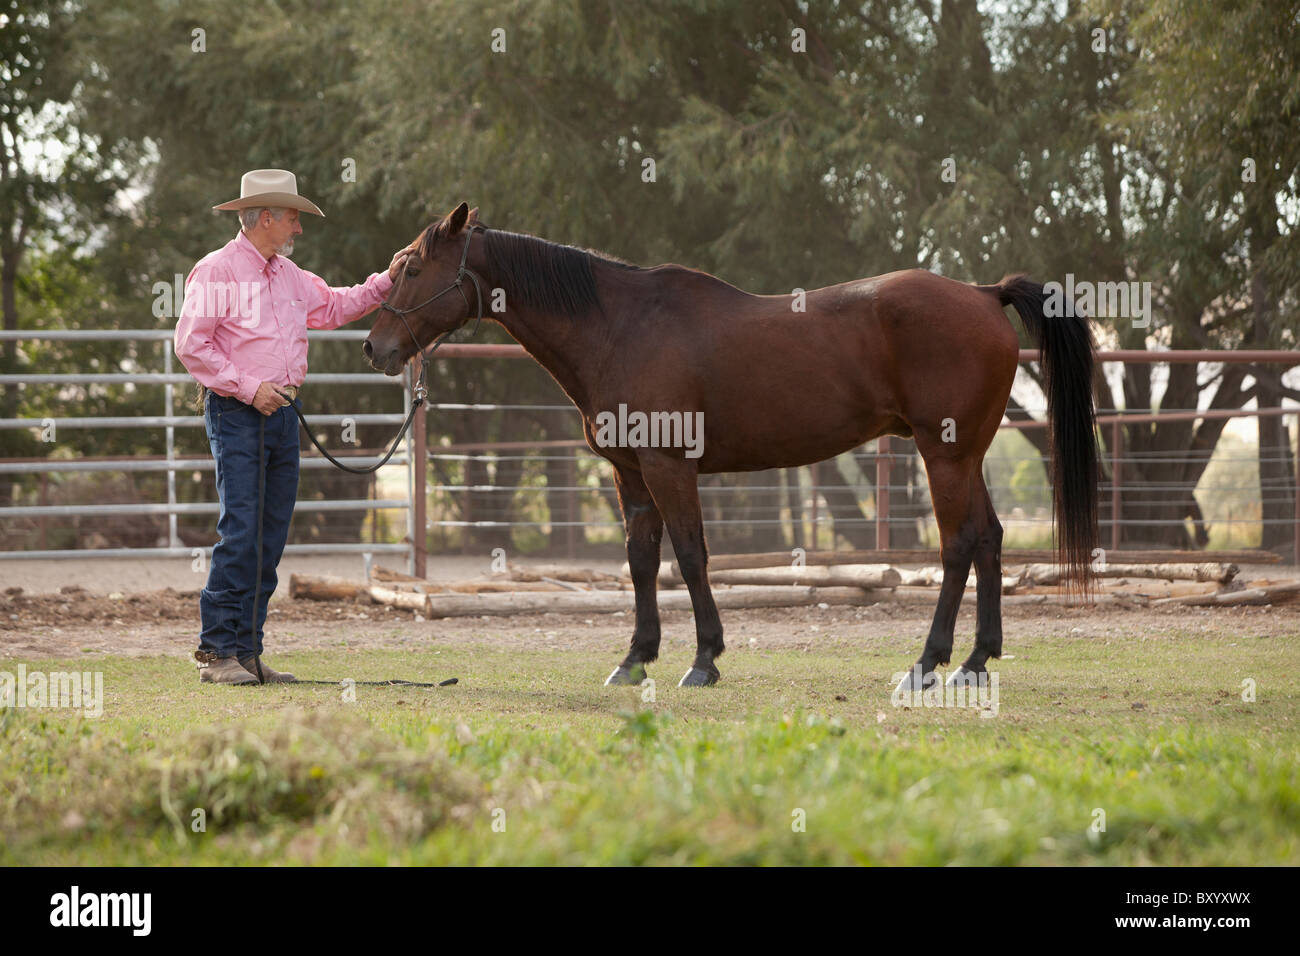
(530, 760)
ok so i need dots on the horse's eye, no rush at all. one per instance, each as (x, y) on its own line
(412, 273)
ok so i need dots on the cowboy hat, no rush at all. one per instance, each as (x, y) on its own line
(270, 188)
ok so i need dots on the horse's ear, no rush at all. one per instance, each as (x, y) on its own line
(456, 219)
(473, 216)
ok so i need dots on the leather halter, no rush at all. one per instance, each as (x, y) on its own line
(462, 272)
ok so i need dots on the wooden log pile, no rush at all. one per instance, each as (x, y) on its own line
(756, 581)
(541, 590)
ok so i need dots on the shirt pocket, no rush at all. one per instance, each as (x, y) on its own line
(296, 309)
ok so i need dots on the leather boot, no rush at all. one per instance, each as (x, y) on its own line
(269, 674)
(221, 670)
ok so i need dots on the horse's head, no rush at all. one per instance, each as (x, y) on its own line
(424, 303)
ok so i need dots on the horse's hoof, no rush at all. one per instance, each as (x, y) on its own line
(962, 677)
(698, 677)
(914, 682)
(624, 676)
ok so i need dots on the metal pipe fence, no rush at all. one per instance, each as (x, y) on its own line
(814, 506)
(499, 506)
(883, 495)
(171, 465)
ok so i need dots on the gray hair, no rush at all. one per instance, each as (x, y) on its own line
(250, 217)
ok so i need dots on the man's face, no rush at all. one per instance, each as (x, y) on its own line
(281, 233)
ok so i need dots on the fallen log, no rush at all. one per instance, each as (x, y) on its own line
(410, 600)
(933, 578)
(1268, 594)
(1068, 600)
(593, 602)
(1218, 573)
(925, 597)
(493, 587)
(825, 575)
(565, 585)
(380, 573)
(1155, 589)
(846, 575)
(317, 587)
(474, 586)
(540, 572)
(843, 575)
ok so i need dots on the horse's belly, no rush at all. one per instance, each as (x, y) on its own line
(734, 446)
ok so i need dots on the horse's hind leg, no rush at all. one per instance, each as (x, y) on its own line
(672, 482)
(952, 492)
(645, 530)
(988, 593)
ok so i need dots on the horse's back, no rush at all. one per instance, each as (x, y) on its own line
(792, 379)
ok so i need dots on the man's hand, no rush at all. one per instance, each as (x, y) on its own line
(395, 267)
(269, 398)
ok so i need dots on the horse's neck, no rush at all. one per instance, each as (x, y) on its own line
(559, 343)
(570, 347)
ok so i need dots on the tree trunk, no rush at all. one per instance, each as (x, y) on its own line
(9, 298)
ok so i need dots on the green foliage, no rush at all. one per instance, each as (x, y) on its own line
(1028, 485)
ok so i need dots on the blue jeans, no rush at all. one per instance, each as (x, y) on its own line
(235, 433)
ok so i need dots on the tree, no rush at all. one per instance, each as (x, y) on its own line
(56, 181)
(1215, 97)
(779, 146)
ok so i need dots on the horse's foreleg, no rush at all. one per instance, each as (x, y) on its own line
(672, 482)
(645, 529)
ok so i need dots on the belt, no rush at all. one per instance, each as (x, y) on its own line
(290, 390)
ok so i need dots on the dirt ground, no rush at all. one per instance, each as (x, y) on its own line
(77, 620)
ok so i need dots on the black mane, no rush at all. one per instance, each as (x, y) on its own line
(542, 274)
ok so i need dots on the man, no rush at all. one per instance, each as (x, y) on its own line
(243, 334)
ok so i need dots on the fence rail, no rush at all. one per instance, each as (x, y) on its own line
(811, 498)
(171, 464)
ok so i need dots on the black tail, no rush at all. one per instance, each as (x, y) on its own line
(1067, 359)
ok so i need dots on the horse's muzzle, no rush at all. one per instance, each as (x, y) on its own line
(387, 360)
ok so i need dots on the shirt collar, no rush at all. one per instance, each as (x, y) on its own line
(263, 264)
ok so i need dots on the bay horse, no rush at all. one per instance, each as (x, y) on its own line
(909, 353)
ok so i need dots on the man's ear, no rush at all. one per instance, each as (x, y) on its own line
(456, 219)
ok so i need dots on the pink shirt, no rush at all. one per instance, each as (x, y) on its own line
(245, 318)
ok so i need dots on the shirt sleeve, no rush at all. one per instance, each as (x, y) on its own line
(330, 307)
(195, 339)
